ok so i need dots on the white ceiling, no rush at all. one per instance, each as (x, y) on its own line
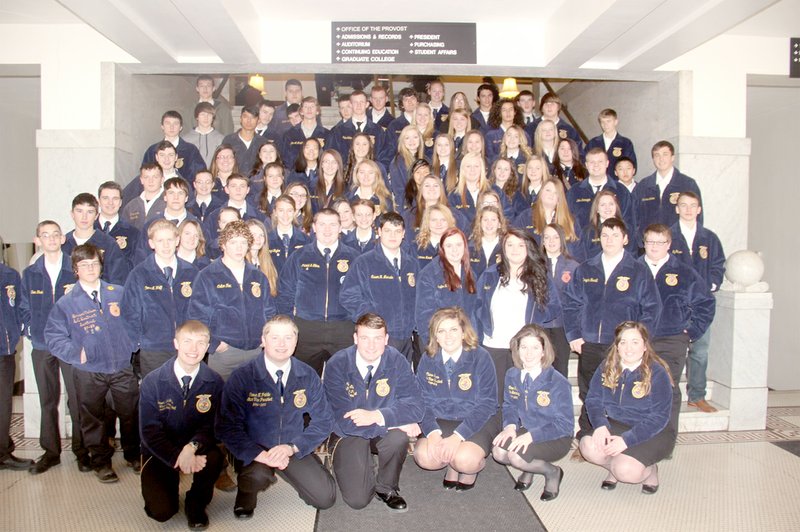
(617, 35)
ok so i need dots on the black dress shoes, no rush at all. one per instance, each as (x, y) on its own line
(649, 490)
(522, 486)
(18, 464)
(608, 485)
(243, 513)
(464, 487)
(84, 464)
(106, 475)
(550, 495)
(449, 484)
(199, 521)
(43, 464)
(134, 464)
(393, 501)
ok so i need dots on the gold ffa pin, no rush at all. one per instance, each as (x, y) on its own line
(255, 289)
(113, 309)
(300, 399)
(382, 387)
(638, 390)
(203, 403)
(521, 169)
(444, 116)
(542, 398)
(179, 163)
(342, 265)
(465, 381)
(562, 133)
(11, 292)
(321, 143)
(616, 152)
(186, 289)
(428, 143)
(703, 252)
(623, 283)
(350, 390)
(122, 242)
(671, 279)
(412, 282)
(673, 198)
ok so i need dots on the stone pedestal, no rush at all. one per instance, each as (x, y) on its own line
(738, 357)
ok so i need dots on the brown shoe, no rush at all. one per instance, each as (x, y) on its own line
(577, 456)
(225, 482)
(702, 405)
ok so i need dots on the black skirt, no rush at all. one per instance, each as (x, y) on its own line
(483, 438)
(648, 452)
(549, 451)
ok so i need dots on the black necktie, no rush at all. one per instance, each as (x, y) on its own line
(174, 222)
(358, 126)
(107, 227)
(203, 208)
(527, 119)
(96, 299)
(449, 367)
(186, 379)
(597, 188)
(285, 239)
(458, 141)
(279, 374)
(168, 275)
(368, 377)
(396, 266)
(442, 171)
(327, 255)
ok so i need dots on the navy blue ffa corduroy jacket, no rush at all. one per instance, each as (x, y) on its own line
(393, 390)
(167, 422)
(9, 310)
(37, 298)
(544, 408)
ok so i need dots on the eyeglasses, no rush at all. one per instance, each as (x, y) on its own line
(298, 194)
(46, 236)
(655, 242)
(89, 265)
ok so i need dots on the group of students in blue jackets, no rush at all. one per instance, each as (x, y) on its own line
(483, 265)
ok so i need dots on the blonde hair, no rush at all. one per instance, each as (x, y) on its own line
(424, 234)
(378, 189)
(265, 263)
(613, 366)
(563, 216)
(470, 339)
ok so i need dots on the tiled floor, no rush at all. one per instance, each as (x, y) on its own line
(715, 481)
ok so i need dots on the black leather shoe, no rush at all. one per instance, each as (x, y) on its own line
(243, 513)
(85, 464)
(550, 495)
(522, 486)
(649, 490)
(464, 487)
(18, 464)
(449, 484)
(608, 485)
(198, 522)
(43, 464)
(393, 501)
(106, 475)
(134, 464)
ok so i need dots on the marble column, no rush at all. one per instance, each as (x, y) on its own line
(738, 357)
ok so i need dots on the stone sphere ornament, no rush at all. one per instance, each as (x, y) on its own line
(744, 270)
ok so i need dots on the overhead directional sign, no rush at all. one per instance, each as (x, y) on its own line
(403, 42)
